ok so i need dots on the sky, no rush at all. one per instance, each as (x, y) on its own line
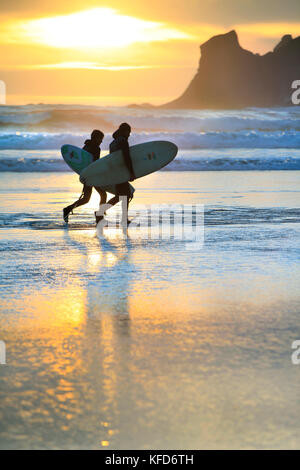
(121, 52)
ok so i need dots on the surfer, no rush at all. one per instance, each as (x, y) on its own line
(92, 146)
(120, 142)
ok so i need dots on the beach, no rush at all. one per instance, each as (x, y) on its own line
(160, 326)
(115, 341)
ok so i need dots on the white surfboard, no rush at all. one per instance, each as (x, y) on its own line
(146, 158)
(78, 159)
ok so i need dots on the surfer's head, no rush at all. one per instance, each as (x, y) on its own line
(97, 136)
(124, 129)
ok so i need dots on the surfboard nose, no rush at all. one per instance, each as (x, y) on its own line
(170, 148)
(175, 148)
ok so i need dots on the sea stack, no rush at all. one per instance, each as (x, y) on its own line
(232, 77)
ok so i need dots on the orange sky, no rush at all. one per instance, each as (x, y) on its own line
(117, 52)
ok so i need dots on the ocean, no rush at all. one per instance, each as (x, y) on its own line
(248, 139)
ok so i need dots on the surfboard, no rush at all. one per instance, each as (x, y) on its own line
(78, 159)
(146, 158)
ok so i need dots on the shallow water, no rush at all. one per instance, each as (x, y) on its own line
(131, 343)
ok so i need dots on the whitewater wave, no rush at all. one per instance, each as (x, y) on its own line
(197, 160)
(75, 118)
(185, 140)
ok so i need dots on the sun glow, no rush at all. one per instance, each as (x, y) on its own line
(88, 66)
(269, 30)
(99, 27)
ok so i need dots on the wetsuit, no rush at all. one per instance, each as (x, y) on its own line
(123, 189)
(94, 150)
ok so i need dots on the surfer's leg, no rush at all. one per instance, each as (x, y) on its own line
(103, 198)
(125, 190)
(83, 199)
(120, 191)
(126, 195)
(114, 200)
(103, 194)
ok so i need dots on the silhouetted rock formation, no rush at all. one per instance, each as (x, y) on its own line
(232, 77)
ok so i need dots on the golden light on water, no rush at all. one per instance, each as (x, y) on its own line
(61, 309)
(95, 28)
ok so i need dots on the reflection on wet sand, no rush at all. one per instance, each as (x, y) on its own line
(69, 340)
(116, 342)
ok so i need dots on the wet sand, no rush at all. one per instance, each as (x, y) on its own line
(117, 342)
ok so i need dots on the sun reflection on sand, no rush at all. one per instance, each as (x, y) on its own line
(122, 343)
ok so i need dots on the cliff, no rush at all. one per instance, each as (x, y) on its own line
(232, 77)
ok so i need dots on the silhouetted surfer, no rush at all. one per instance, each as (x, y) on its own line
(92, 146)
(120, 142)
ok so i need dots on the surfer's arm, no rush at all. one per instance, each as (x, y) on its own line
(127, 159)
